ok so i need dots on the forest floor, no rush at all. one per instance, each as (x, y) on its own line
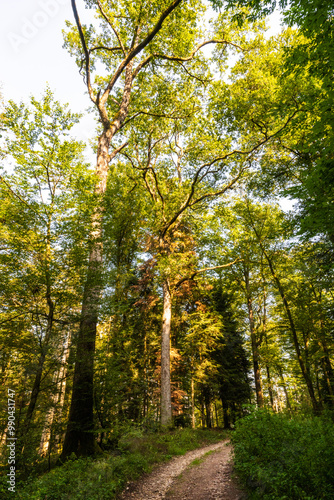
(202, 474)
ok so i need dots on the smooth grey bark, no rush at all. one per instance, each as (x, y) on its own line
(166, 402)
(193, 418)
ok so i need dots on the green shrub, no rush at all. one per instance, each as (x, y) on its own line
(278, 457)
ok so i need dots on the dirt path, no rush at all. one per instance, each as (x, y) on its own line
(208, 478)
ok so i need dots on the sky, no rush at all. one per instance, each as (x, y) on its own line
(32, 56)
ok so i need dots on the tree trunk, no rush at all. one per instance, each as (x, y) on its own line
(270, 388)
(327, 370)
(326, 365)
(207, 401)
(216, 414)
(193, 419)
(45, 345)
(202, 410)
(166, 403)
(326, 362)
(57, 400)
(46, 433)
(255, 351)
(79, 438)
(264, 321)
(225, 414)
(302, 365)
(318, 385)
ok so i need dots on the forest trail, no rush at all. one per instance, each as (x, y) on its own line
(209, 478)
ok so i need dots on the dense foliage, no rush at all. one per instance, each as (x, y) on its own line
(280, 457)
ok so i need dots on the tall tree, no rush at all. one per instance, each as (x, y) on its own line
(126, 46)
(41, 196)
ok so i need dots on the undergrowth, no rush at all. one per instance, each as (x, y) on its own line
(278, 457)
(103, 477)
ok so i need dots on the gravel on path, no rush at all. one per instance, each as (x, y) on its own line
(209, 480)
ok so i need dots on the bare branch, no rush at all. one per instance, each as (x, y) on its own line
(112, 27)
(128, 157)
(103, 47)
(191, 56)
(158, 115)
(220, 191)
(192, 276)
(117, 150)
(86, 52)
(202, 80)
(142, 65)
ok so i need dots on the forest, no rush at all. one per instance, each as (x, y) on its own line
(179, 290)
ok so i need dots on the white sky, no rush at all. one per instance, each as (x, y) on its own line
(32, 55)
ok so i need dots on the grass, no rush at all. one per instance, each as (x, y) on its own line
(102, 478)
(283, 458)
(200, 460)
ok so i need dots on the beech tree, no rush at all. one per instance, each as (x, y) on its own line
(126, 31)
(188, 164)
(176, 186)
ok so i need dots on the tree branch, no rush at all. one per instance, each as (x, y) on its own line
(188, 203)
(157, 115)
(189, 278)
(137, 49)
(84, 46)
(117, 150)
(102, 47)
(188, 58)
(180, 60)
(112, 27)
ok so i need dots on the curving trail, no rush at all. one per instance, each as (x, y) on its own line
(210, 478)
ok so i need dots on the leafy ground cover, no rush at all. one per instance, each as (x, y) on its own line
(278, 457)
(103, 477)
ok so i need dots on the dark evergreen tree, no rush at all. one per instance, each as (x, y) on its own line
(233, 364)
